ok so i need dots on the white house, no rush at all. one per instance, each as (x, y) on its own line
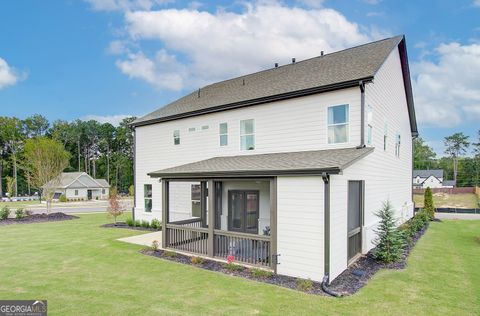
(81, 186)
(283, 168)
(423, 179)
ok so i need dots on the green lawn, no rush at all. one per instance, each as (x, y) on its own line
(461, 200)
(18, 204)
(81, 269)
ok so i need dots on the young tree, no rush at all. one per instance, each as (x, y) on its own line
(423, 155)
(389, 241)
(456, 146)
(428, 203)
(115, 208)
(47, 159)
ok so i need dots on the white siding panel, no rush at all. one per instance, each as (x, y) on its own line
(300, 227)
(386, 176)
(291, 125)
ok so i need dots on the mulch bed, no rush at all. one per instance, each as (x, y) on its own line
(349, 282)
(125, 226)
(38, 218)
(276, 279)
(361, 271)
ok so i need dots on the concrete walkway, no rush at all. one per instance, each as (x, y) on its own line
(145, 239)
(457, 216)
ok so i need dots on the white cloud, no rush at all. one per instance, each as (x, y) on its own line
(112, 119)
(476, 3)
(202, 47)
(125, 5)
(8, 75)
(117, 47)
(447, 92)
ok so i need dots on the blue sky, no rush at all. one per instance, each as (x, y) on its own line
(109, 58)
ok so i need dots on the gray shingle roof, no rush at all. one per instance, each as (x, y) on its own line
(303, 162)
(438, 173)
(68, 178)
(346, 66)
(449, 183)
(103, 183)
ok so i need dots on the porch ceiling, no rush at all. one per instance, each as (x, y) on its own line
(291, 163)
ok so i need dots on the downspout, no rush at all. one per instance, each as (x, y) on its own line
(326, 230)
(361, 85)
(134, 173)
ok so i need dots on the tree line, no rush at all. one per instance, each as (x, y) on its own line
(465, 170)
(101, 150)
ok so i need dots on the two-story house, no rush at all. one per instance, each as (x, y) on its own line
(283, 168)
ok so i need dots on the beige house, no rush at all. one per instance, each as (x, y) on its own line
(81, 186)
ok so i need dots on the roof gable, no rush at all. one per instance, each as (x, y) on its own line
(324, 73)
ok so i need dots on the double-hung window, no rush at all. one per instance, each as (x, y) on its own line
(147, 194)
(176, 137)
(196, 200)
(247, 134)
(223, 130)
(338, 121)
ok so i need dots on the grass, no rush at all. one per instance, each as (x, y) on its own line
(19, 204)
(81, 269)
(461, 200)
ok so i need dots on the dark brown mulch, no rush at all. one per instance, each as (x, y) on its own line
(39, 218)
(125, 226)
(347, 283)
(360, 272)
(276, 279)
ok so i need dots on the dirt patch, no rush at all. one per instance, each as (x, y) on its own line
(39, 218)
(125, 226)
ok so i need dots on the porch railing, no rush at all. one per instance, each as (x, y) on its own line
(248, 248)
(187, 238)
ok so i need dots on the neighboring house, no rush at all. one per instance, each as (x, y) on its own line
(81, 186)
(283, 168)
(423, 179)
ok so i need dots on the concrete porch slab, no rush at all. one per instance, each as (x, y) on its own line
(144, 240)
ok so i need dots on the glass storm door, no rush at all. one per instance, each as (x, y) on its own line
(243, 211)
(355, 218)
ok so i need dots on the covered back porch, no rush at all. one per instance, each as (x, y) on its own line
(221, 218)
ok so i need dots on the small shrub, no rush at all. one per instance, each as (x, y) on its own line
(169, 254)
(20, 213)
(389, 241)
(233, 267)
(155, 245)
(304, 285)
(197, 260)
(129, 222)
(138, 223)
(62, 198)
(145, 224)
(4, 213)
(428, 204)
(260, 273)
(155, 223)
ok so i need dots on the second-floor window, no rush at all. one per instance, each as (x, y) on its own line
(247, 134)
(223, 130)
(176, 137)
(338, 121)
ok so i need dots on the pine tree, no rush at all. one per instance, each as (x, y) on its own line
(390, 241)
(428, 203)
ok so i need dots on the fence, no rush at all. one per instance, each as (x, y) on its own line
(450, 190)
(477, 191)
(454, 210)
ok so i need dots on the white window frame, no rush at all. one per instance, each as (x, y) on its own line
(347, 123)
(145, 197)
(220, 134)
(175, 137)
(243, 135)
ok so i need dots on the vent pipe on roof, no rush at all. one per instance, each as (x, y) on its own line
(198, 93)
(293, 60)
(276, 65)
(243, 82)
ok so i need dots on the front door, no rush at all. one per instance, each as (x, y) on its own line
(89, 194)
(243, 211)
(355, 218)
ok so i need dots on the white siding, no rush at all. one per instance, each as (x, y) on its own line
(300, 230)
(387, 177)
(432, 182)
(290, 125)
(82, 193)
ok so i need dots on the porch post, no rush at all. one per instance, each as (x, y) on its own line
(165, 211)
(203, 202)
(211, 218)
(273, 223)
